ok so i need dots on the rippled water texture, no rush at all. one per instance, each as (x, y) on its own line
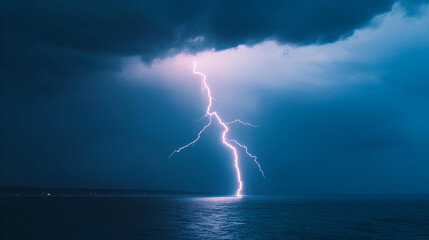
(340, 217)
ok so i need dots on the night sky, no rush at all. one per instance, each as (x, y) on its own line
(98, 94)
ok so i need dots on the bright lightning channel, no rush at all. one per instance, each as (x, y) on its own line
(210, 114)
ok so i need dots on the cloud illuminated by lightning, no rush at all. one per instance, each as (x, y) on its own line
(210, 114)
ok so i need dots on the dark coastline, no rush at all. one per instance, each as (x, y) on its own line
(33, 191)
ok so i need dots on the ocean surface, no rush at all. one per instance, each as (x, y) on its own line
(184, 217)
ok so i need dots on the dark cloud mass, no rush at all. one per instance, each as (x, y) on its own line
(66, 37)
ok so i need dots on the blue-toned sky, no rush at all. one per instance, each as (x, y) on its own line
(99, 95)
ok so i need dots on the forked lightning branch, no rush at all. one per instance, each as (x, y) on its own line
(229, 143)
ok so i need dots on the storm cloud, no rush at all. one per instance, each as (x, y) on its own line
(63, 38)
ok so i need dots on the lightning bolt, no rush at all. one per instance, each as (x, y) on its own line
(210, 114)
(255, 158)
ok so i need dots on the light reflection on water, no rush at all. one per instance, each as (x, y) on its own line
(216, 216)
(218, 199)
(248, 217)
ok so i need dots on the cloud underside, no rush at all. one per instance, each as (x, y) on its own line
(70, 37)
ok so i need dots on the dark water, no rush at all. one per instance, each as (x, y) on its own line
(341, 217)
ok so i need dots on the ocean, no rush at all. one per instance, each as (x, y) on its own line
(185, 217)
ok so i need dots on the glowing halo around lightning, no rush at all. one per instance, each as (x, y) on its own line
(210, 114)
